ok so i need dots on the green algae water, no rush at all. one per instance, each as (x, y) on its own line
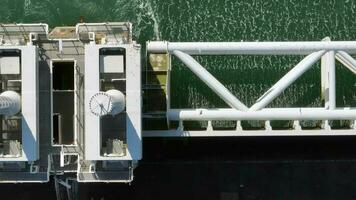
(248, 77)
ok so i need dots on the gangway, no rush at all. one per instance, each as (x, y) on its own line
(327, 51)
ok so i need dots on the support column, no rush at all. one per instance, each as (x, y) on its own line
(332, 79)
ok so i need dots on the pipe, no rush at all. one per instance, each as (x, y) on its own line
(264, 114)
(210, 81)
(10, 103)
(287, 80)
(347, 60)
(250, 48)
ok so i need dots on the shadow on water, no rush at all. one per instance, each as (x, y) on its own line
(227, 168)
(239, 168)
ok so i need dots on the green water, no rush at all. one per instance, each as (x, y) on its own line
(216, 20)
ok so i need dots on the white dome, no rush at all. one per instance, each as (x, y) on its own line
(110, 102)
(10, 103)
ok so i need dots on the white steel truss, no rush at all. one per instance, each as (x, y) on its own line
(325, 50)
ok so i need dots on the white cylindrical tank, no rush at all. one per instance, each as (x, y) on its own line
(10, 103)
(111, 102)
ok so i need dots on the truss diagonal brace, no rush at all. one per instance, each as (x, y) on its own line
(347, 60)
(210, 81)
(287, 80)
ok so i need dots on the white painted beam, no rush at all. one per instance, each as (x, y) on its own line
(248, 133)
(347, 60)
(210, 81)
(287, 80)
(264, 114)
(250, 48)
(329, 79)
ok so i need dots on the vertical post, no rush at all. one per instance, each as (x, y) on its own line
(324, 80)
(332, 79)
(328, 88)
(328, 79)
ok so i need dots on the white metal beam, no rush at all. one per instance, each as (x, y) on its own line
(248, 133)
(250, 48)
(287, 80)
(210, 81)
(329, 79)
(332, 79)
(264, 114)
(347, 60)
